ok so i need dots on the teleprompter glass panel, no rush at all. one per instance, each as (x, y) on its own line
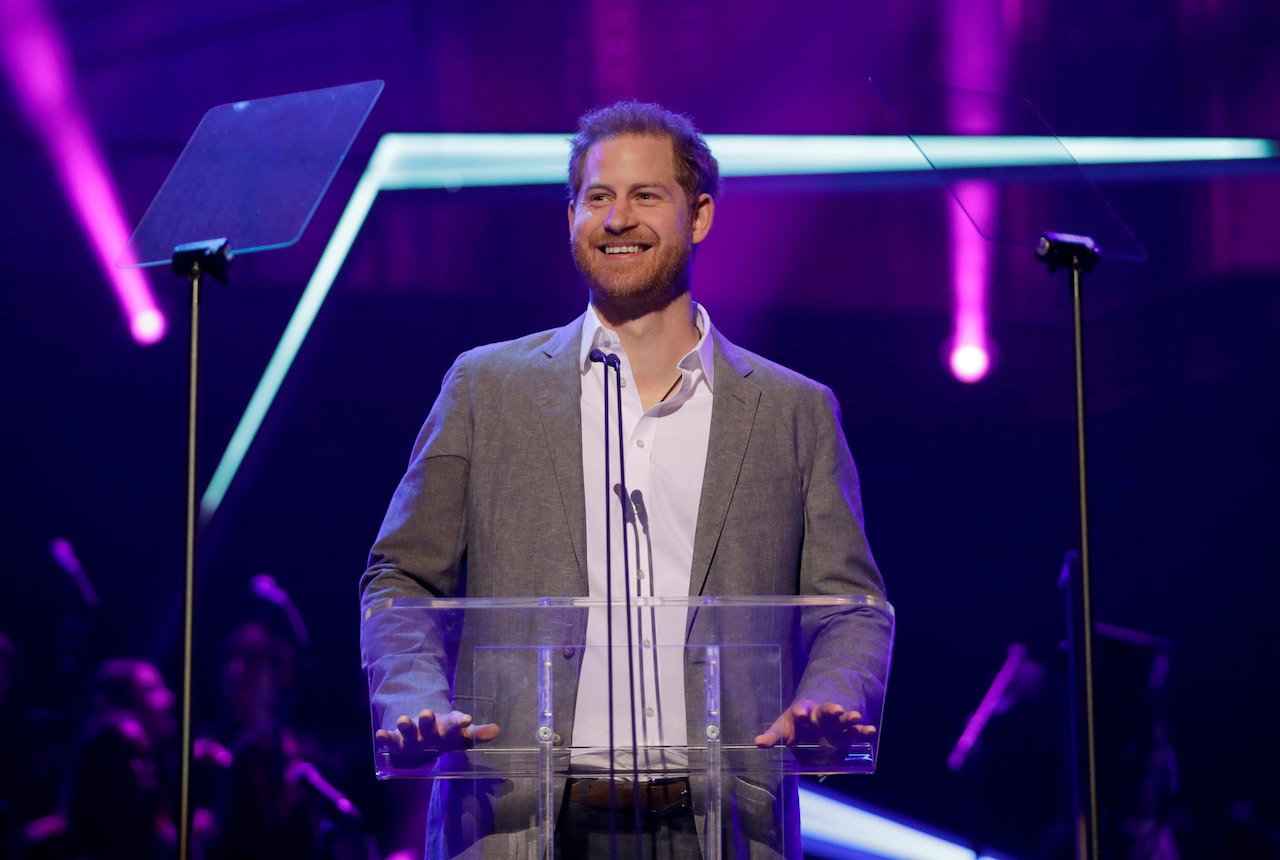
(1013, 177)
(252, 173)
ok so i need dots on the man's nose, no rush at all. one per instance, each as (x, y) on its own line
(621, 217)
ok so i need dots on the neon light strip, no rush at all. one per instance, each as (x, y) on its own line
(37, 65)
(295, 333)
(426, 161)
(832, 827)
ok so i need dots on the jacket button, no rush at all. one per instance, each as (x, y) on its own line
(569, 651)
(557, 740)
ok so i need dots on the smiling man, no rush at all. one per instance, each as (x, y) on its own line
(738, 478)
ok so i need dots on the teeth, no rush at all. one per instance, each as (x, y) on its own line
(622, 249)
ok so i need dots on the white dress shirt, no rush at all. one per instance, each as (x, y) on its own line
(666, 453)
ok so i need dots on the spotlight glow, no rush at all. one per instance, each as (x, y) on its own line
(970, 362)
(454, 161)
(37, 66)
(970, 276)
(148, 326)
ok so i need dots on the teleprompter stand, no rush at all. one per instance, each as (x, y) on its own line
(193, 260)
(252, 175)
(1050, 189)
(1080, 255)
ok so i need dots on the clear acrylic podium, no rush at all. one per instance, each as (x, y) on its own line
(703, 677)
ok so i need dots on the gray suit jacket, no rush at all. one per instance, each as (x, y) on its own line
(492, 505)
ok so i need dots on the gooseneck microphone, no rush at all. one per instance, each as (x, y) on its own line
(599, 357)
(616, 363)
(611, 360)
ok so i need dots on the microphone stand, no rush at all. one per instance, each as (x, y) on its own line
(626, 590)
(612, 361)
(597, 356)
(192, 261)
(1080, 254)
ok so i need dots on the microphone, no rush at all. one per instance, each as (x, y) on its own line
(607, 359)
(613, 360)
(264, 586)
(307, 775)
(597, 355)
(65, 556)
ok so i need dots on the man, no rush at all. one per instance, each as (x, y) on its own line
(737, 474)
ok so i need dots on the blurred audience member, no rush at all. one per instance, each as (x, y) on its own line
(137, 687)
(111, 806)
(15, 762)
(274, 801)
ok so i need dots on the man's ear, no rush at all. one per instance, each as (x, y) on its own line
(704, 212)
(571, 208)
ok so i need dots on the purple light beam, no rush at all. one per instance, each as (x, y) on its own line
(974, 54)
(970, 349)
(36, 64)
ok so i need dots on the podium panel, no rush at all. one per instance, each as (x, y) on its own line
(665, 688)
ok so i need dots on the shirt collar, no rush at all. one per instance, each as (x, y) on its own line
(702, 357)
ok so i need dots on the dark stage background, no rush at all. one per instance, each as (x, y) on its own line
(968, 488)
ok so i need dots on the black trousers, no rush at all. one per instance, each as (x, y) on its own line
(582, 831)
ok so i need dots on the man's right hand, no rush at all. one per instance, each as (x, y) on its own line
(429, 735)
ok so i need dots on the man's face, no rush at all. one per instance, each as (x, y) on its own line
(632, 227)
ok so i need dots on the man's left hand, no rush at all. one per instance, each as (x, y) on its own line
(806, 722)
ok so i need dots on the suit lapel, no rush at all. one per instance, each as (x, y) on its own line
(733, 412)
(559, 386)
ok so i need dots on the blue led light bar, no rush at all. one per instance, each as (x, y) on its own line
(833, 827)
(453, 161)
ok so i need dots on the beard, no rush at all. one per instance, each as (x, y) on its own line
(637, 287)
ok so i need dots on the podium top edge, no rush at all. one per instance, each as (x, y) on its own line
(773, 601)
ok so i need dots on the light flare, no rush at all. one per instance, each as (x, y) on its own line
(37, 66)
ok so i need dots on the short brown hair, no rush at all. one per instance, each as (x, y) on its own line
(697, 170)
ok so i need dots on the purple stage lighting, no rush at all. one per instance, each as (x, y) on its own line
(976, 55)
(970, 362)
(970, 356)
(37, 67)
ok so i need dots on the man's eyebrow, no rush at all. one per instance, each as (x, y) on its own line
(635, 186)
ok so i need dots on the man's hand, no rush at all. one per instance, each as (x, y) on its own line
(429, 735)
(806, 722)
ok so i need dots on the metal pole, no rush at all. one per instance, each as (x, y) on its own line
(1086, 812)
(188, 596)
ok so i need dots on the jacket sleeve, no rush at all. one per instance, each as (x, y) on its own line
(848, 650)
(420, 552)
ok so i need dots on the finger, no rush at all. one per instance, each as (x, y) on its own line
(827, 717)
(849, 718)
(451, 726)
(481, 732)
(864, 730)
(408, 729)
(428, 728)
(769, 739)
(393, 741)
(830, 713)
